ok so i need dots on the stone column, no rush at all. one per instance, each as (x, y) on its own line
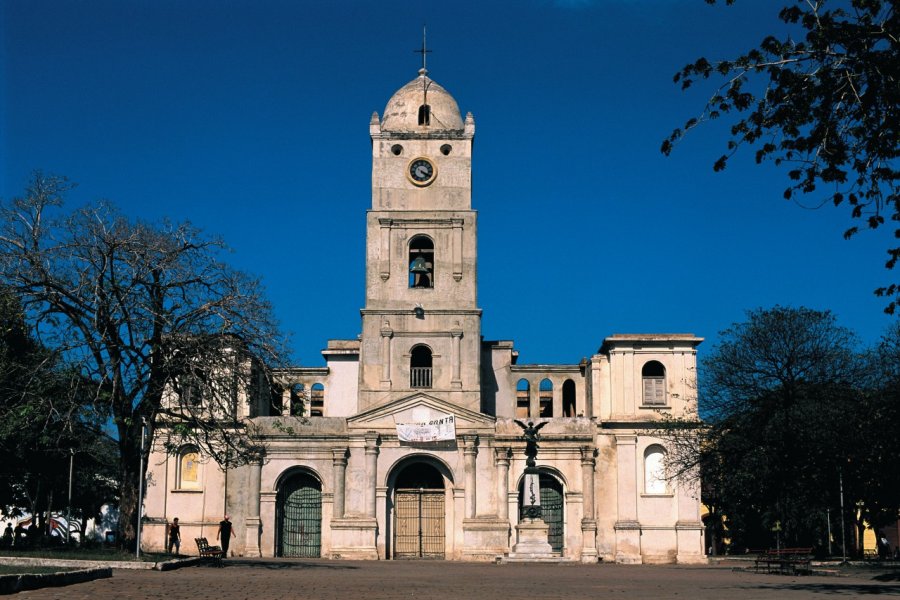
(501, 459)
(386, 334)
(470, 452)
(339, 462)
(286, 402)
(384, 264)
(457, 249)
(535, 399)
(557, 400)
(371, 471)
(587, 480)
(588, 521)
(252, 521)
(456, 381)
(627, 527)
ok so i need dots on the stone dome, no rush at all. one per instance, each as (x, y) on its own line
(402, 111)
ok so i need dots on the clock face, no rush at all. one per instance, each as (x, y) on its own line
(421, 171)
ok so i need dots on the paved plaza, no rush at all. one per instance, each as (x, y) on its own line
(381, 580)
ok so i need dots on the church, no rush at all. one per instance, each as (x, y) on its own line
(408, 443)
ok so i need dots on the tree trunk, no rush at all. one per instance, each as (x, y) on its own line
(83, 532)
(129, 468)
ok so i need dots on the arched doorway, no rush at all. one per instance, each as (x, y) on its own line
(299, 517)
(552, 509)
(419, 515)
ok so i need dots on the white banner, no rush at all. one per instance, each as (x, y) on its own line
(438, 429)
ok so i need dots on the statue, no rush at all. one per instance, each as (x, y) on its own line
(531, 435)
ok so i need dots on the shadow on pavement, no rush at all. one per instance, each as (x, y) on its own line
(282, 563)
(849, 590)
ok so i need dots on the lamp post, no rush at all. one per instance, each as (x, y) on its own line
(69, 505)
(843, 537)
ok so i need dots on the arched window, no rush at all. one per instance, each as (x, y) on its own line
(523, 399)
(655, 470)
(188, 470)
(568, 398)
(317, 400)
(425, 115)
(654, 376)
(420, 367)
(276, 401)
(298, 399)
(421, 262)
(546, 398)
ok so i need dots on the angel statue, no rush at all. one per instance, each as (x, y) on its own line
(531, 435)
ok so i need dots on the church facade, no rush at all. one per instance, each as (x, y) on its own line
(405, 444)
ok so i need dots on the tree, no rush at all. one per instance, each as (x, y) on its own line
(824, 104)
(45, 416)
(785, 418)
(167, 334)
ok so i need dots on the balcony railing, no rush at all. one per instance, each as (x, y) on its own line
(420, 377)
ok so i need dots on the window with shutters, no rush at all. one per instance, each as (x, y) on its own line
(654, 376)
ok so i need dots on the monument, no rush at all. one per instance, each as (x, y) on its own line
(531, 530)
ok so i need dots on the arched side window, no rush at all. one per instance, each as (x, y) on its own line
(188, 469)
(298, 399)
(421, 262)
(546, 397)
(317, 400)
(655, 470)
(523, 399)
(568, 398)
(654, 377)
(420, 367)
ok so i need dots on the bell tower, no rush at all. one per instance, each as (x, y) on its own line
(421, 322)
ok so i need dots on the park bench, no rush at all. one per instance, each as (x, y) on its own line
(212, 553)
(786, 561)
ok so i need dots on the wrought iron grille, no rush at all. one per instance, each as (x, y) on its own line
(301, 518)
(551, 510)
(419, 524)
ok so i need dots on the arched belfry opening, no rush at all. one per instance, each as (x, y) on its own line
(419, 512)
(568, 398)
(421, 262)
(420, 364)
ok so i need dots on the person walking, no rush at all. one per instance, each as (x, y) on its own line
(225, 533)
(174, 536)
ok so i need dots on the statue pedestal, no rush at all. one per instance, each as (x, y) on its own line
(531, 540)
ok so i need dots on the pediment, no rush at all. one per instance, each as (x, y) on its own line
(415, 408)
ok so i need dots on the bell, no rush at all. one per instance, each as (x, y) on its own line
(418, 266)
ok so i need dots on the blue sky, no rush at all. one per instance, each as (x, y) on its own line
(250, 119)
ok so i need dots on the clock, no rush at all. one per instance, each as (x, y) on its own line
(421, 171)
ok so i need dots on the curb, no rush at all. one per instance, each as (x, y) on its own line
(11, 584)
(166, 565)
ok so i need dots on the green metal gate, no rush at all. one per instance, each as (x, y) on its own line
(419, 523)
(551, 509)
(300, 517)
